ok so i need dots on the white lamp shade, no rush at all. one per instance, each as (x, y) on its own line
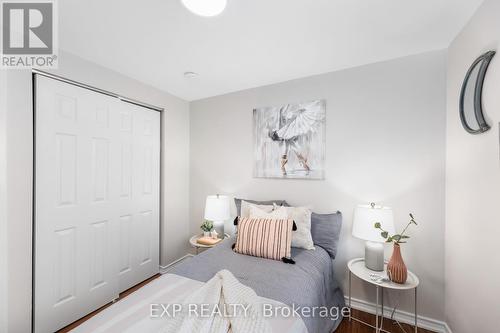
(365, 217)
(217, 208)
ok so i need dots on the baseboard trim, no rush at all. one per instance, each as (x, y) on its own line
(402, 316)
(165, 269)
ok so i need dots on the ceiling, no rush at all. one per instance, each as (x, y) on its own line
(253, 42)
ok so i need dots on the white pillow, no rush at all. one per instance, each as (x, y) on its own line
(245, 208)
(278, 213)
(302, 236)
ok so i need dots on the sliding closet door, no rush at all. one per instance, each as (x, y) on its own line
(139, 188)
(96, 200)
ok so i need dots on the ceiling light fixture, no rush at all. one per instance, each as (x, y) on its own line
(205, 7)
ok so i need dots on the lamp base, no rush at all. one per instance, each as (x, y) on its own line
(219, 227)
(374, 256)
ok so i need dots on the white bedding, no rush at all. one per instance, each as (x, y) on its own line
(133, 313)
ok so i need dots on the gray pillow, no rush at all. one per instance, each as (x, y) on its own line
(267, 202)
(325, 231)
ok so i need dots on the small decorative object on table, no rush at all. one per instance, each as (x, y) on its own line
(207, 227)
(208, 241)
(214, 234)
(396, 268)
(201, 242)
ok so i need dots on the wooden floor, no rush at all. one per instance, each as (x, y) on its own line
(121, 296)
(356, 327)
(345, 326)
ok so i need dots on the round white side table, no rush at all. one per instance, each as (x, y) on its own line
(195, 244)
(358, 268)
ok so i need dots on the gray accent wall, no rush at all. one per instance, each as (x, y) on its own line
(473, 185)
(386, 125)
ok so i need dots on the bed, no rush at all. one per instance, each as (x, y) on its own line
(310, 282)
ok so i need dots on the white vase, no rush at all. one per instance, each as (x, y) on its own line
(206, 233)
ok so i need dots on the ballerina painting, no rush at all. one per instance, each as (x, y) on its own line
(289, 141)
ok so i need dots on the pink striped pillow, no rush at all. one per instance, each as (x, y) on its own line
(264, 237)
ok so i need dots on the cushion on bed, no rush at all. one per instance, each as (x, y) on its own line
(237, 202)
(265, 238)
(247, 206)
(325, 230)
(302, 238)
(257, 212)
(243, 208)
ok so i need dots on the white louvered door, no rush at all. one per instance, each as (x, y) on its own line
(96, 200)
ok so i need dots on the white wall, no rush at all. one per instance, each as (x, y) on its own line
(3, 205)
(473, 185)
(385, 143)
(19, 197)
(175, 174)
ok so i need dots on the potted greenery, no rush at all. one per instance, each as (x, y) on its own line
(396, 268)
(207, 226)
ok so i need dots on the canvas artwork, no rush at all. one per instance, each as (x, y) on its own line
(289, 140)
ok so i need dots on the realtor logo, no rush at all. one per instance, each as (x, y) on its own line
(28, 34)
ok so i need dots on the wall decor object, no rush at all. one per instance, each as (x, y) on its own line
(289, 140)
(471, 106)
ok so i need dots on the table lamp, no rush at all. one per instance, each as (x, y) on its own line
(217, 210)
(365, 217)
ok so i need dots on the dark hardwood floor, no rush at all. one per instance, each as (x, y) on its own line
(345, 326)
(121, 296)
(356, 327)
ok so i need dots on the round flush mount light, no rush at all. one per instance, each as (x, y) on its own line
(205, 7)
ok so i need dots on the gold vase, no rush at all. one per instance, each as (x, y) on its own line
(396, 268)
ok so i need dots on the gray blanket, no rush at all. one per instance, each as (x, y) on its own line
(310, 282)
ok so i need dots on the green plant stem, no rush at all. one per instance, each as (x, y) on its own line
(404, 230)
(401, 235)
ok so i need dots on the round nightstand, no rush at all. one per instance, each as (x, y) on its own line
(358, 268)
(195, 244)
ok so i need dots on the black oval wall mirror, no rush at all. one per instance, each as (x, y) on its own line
(471, 105)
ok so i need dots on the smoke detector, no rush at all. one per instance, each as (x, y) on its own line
(190, 75)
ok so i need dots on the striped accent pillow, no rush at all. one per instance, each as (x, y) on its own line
(264, 237)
